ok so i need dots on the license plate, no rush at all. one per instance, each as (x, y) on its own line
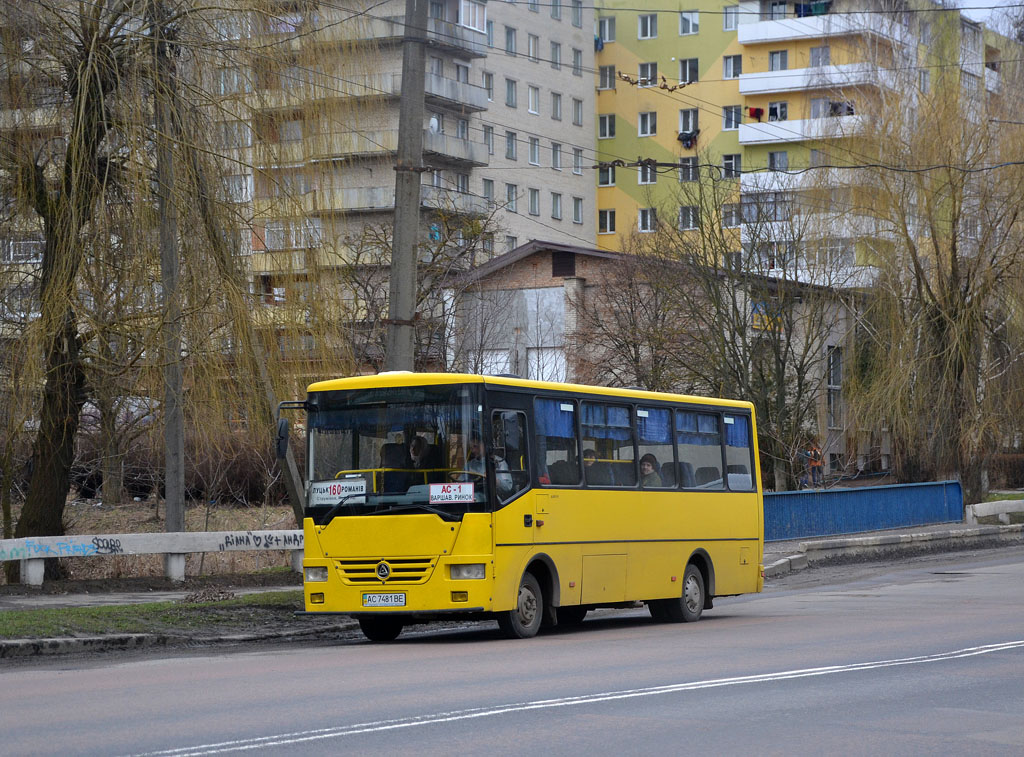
(384, 600)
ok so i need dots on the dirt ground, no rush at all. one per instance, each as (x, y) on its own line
(92, 516)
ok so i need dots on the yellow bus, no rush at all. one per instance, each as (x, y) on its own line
(489, 497)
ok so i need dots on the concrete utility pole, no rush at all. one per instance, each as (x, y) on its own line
(402, 292)
(174, 422)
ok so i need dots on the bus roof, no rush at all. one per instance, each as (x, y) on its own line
(409, 378)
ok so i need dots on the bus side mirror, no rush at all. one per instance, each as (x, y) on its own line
(282, 438)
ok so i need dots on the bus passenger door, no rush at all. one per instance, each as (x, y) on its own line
(512, 475)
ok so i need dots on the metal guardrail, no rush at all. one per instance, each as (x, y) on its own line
(827, 512)
(32, 552)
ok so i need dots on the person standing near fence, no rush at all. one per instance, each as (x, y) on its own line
(814, 464)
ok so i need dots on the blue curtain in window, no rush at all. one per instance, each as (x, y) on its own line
(697, 428)
(552, 420)
(606, 422)
(655, 428)
(737, 433)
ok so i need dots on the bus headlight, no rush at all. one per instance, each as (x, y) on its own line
(316, 573)
(472, 570)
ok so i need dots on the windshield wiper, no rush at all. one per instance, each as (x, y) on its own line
(399, 508)
(341, 503)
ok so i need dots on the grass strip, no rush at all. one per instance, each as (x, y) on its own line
(240, 614)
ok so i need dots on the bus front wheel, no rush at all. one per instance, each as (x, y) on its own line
(524, 620)
(381, 629)
(688, 607)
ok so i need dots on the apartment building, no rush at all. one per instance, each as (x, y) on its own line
(538, 129)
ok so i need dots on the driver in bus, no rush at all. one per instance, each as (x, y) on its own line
(477, 464)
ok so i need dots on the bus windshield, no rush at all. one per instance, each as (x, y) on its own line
(397, 450)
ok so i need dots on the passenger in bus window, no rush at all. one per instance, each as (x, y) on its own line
(650, 475)
(426, 456)
(476, 464)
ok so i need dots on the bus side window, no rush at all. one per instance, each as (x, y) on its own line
(699, 446)
(509, 446)
(654, 437)
(737, 452)
(608, 430)
(556, 443)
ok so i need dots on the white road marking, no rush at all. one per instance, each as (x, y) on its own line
(298, 737)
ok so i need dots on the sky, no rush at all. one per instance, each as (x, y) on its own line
(987, 14)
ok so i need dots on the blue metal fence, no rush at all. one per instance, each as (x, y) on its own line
(824, 512)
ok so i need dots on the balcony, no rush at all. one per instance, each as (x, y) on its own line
(454, 148)
(369, 199)
(442, 198)
(828, 25)
(454, 93)
(777, 132)
(993, 81)
(819, 77)
(443, 35)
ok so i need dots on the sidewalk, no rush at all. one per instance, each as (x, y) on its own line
(781, 557)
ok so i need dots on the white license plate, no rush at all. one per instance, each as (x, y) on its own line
(384, 600)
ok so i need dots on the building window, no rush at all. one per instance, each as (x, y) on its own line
(577, 210)
(511, 92)
(534, 195)
(577, 13)
(774, 10)
(534, 6)
(606, 222)
(689, 22)
(731, 166)
(730, 18)
(510, 145)
(688, 120)
(924, 81)
(688, 70)
(730, 215)
(606, 126)
(436, 10)
(556, 156)
(556, 106)
(731, 117)
(732, 66)
(821, 56)
(533, 99)
(647, 26)
(606, 29)
(511, 193)
(511, 242)
(534, 151)
(556, 10)
(462, 128)
(648, 75)
(606, 77)
(490, 34)
(556, 205)
(778, 111)
(689, 217)
(510, 40)
(489, 139)
(462, 183)
(556, 55)
(648, 124)
(577, 62)
(646, 220)
(577, 161)
(778, 161)
(489, 85)
(577, 112)
(606, 176)
(647, 174)
(533, 47)
(687, 169)
(778, 60)
(834, 372)
(488, 191)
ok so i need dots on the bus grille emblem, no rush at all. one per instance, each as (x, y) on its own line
(383, 571)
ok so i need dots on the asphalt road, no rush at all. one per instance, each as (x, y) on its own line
(921, 658)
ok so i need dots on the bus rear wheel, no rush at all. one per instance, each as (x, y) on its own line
(524, 620)
(381, 629)
(688, 607)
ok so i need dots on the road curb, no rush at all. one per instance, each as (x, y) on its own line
(10, 648)
(824, 551)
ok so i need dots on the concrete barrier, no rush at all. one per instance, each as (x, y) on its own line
(1001, 508)
(32, 552)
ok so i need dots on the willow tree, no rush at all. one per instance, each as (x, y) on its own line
(943, 181)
